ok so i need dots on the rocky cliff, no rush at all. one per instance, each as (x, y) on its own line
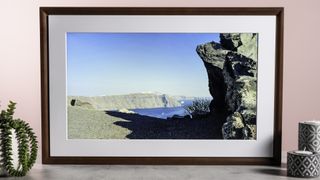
(232, 72)
(129, 101)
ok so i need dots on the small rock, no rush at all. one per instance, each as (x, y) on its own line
(250, 132)
(230, 41)
(239, 65)
(232, 129)
(249, 116)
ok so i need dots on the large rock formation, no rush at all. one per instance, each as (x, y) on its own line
(232, 73)
(213, 56)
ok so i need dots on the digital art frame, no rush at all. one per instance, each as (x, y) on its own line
(105, 102)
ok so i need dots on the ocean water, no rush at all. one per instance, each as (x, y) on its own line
(162, 113)
(165, 112)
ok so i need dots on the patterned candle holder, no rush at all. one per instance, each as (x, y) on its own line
(303, 165)
(309, 136)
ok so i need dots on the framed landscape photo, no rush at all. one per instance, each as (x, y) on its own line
(161, 85)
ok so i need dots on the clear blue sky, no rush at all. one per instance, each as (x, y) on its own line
(122, 63)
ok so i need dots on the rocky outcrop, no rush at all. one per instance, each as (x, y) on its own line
(249, 47)
(241, 81)
(128, 101)
(213, 56)
(230, 41)
(243, 43)
(232, 73)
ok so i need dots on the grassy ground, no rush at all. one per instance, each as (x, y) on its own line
(93, 124)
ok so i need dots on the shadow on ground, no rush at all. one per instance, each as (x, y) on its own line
(274, 172)
(145, 127)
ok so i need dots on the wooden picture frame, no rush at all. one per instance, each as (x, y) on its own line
(48, 158)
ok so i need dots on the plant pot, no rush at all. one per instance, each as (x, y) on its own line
(3, 172)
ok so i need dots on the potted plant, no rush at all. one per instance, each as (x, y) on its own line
(25, 138)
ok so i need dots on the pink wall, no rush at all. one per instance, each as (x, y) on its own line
(20, 56)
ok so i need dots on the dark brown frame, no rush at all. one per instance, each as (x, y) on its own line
(47, 159)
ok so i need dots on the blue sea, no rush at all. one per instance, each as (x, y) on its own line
(165, 112)
(162, 113)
